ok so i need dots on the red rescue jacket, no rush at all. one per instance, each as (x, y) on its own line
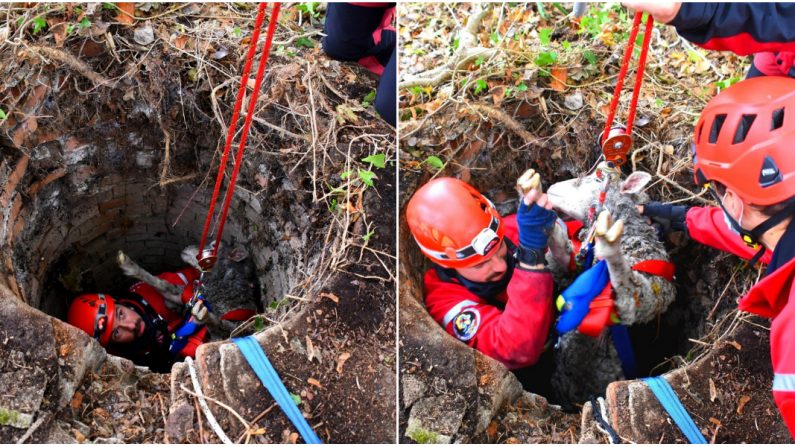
(513, 330)
(772, 297)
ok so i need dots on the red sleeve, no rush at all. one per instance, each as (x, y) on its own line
(744, 28)
(707, 225)
(782, 354)
(194, 341)
(515, 336)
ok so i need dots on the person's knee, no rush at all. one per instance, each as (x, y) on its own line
(387, 89)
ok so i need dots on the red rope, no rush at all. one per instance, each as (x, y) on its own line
(266, 50)
(623, 73)
(644, 50)
(252, 49)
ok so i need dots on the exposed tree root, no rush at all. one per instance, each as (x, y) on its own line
(70, 61)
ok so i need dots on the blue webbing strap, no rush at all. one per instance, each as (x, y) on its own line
(670, 402)
(259, 362)
(623, 345)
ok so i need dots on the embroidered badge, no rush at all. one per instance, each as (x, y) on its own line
(465, 324)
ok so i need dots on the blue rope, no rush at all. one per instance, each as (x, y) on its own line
(626, 354)
(259, 362)
(670, 402)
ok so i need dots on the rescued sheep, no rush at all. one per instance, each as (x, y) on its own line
(230, 285)
(586, 365)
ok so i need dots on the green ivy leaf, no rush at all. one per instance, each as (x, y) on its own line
(378, 160)
(521, 87)
(456, 42)
(494, 38)
(434, 161)
(39, 24)
(2, 114)
(544, 35)
(237, 31)
(547, 58)
(367, 177)
(566, 45)
(85, 23)
(480, 85)
(589, 56)
(369, 99)
(345, 175)
(259, 323)
(305, 42)
(479, 61)
(296, 398)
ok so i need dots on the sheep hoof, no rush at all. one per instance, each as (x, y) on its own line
(615, 232)
(607, 229)
(528, 181)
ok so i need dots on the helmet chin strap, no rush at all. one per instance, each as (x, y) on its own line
(753, 237)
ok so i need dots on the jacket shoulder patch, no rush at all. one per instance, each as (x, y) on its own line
(466, 323)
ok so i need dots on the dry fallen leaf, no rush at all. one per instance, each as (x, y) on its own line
(79, 437)
(491, 431)
(310, 349)
(736, 345)
(512, 441)
(314, 382)
(560, 75)
(341, 361)
(129, 9)
(256, 431)
(713, 392)
(77, 399)
(743, 400)
(330, 296)
(715, 421)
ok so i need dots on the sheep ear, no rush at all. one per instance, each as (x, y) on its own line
(238, 254)
(635, 182)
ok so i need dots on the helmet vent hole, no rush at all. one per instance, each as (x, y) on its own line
(778, 119)
(743, 128)
(698, 132)
(716, 127)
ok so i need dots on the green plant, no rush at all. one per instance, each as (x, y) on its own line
(278, 303)
(434, 161)
(333, 207)
(237, 31)
(367, 177)
(108, 6)
(369, 99)
(480, 85)
(377, 160)
(726, 83)
(367, 236)
(85, 23)
(589, 56)
(546, 58)
(309, 8)
(39, 24)
(296, 398)
(259, 323)
(305, 42)
(422, 436)
(545, 35)
(2, 114)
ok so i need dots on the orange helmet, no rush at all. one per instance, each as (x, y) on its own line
(454, 224)
(744, 140)
(94, 314)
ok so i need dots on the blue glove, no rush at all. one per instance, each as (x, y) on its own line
(535, 224)
(574, 302)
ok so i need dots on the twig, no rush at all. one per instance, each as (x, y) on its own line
(509, 122)
(33, 428)
(163, 415)
(72, 62)
(720, 297)
(203, 403)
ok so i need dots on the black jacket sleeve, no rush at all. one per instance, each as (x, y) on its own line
(743, 28)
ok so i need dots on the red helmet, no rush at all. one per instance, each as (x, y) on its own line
(94, 314)
(454, 224)
(744, 139)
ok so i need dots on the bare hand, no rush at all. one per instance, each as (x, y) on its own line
(662, 11)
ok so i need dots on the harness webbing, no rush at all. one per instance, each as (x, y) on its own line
(670, 402)
(259, 362)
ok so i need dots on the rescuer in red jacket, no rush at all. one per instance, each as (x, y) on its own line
(744, 155)
(763, 29)
(489, 286)
(140, 326)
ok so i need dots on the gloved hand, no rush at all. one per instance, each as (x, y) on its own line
(199, 311)
(534, 218)
(667, 217)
